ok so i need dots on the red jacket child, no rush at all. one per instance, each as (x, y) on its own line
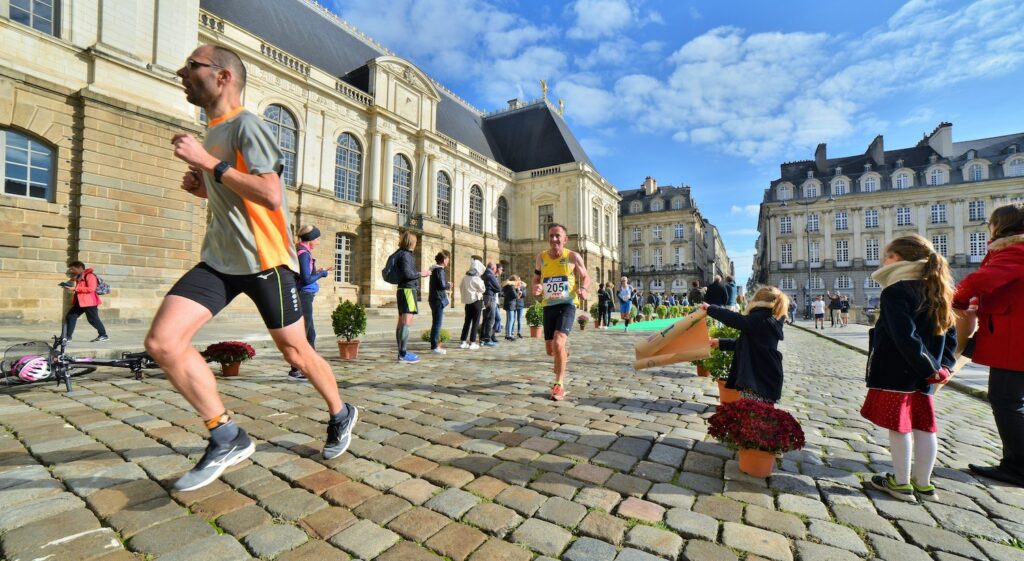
(85, 290)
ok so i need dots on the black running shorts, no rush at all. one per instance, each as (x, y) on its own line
(273, 291)
(558, 318)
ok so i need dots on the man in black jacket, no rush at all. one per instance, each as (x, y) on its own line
(491, 290)
(438, 299)
(717, 294)
(407, 294)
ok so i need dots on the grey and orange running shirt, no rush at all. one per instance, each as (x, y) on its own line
(243, 237)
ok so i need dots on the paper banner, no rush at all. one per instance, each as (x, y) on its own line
(686, 340)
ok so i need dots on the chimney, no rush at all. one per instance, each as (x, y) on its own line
(820, 158)
(514, 103)
(650, 186)
(876, 151)
(941, 139)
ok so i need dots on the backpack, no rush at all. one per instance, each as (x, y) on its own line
(390, 273)
(102, 288)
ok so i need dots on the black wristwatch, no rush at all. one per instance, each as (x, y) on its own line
(219, 170)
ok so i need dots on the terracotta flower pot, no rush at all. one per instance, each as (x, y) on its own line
(583, 327)
(535, 331)
(348, 350)
(757, 463)
(703, 372)
(229, 368)
(726, 395)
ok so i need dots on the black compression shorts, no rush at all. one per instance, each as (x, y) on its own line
(273, 291)
(558, 318)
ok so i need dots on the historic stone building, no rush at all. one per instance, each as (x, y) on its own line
(825, 222)
(666, 243)
(89, 102)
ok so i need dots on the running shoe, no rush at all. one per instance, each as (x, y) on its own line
(100, 339)
(925, 492)
(339, 432)
(474, 347)
(218, 457)
(557, 392)
(464, 345)
(409, 358)
(490, 344)
(887, 483)
(439, 351)
(296, 376)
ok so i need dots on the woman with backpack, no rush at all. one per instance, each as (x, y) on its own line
(309, 276)
(84, 300)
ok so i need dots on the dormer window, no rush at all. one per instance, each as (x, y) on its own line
(867, 166)
(971, 154)
(899, 163)
(839, 170)
(657, 205)
(810, 173)
(933, 158)
(1013, 148)
(635, 207)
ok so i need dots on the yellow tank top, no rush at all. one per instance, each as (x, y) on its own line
(558, 280)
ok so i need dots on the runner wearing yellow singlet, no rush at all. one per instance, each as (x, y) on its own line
(561, 279)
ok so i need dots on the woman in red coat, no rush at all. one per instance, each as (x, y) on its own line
(998, 285)
(84, 300)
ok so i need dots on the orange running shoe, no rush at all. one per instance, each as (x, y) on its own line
(557, 392)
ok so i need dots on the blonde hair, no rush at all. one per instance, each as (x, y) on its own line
(305, 229)
(771, 298)
(406, 240)
(938, 281)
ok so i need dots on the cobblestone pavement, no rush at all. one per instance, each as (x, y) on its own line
(464, 457)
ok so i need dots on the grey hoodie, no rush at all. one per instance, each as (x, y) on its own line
(472, 286)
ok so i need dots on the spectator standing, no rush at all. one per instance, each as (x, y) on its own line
(844, 311)
(499, 270)
(626, 295)
(407, 295)
(472, 290)
(491, 291)
(437, 298)
(819, 312)
(508, 303)
(792, 310)
(604, 302)
(520, 306)
(84, 300)
(717, 294)
(733, 291)
(695, 295)
(308, 285)
(833, 307)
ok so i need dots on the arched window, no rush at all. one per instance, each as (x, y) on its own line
(870, 184)
(657, 204)
(677, 203)
(785, 193)
(348, 165)
(635, 207)
(476, 210)
(401, 191)
(936, 177)
(902, 181)
(975, 172)
(28, 169)
(843, 282)
(502, 219)
(286, 133)
(1015, 167)
(811, 190)
(839, 187)
(444, 197)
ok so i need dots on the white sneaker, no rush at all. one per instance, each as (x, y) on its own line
(464, 345)
(474, 347)
(439, 351)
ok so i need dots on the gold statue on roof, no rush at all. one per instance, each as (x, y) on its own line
(544, 88)
(561, 107)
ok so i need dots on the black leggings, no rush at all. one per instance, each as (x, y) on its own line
(92, 314)
(1006, 394)
(469, 325)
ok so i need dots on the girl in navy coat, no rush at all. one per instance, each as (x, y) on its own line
(910, 352)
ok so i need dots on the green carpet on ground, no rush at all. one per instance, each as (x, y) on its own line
(654, 325)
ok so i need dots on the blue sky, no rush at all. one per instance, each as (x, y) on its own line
(717, 94)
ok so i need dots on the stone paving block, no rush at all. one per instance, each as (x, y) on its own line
(523, 501)
(589, 549)
(323, 524)
(28, 491)
(497, 550)
(793, 483)
(297, 469)
(513, 473)
(671, 495)
(28, 513)
(888, 548)
(456, 541)
(819, 552)
(700, 550)
(145, 515)
(87, 483)
(542, 445)
(112, 499)
(651, 471)
(359, 468)
(603, 526)
(837, 535)
(293, 504)
(719, 507)
(562, 512)
(321, 481)
(447, 476)
(590, 473)
(759, 542)
(418, 524)
(476, 464)
(223, 503)
(576, 451)
(264, 488)
(668, 455)
(518, 454)
(101, 544)
(750, 494)
(486, 487)
(415, 465)
(630, 554)
(658, 542)
(241, 476)
(386, 479)
(780, 522)
(803, 505)
(700, 483)
(270, 541)
(244, 520)
(615, 460)
(998, 551)
(628, 484)
(542, 537)
(364, 539)
(642, 510)
(416, 491)
(599, 498)
(382, 508)
(453, 503)
(865, 520)
(408, 551)
(214, 548)
(349, 494)
(440, 454)
(942, 540)
(493, 519)
(189, 498)
(169, 536)
(315, 550)
(967, 522)
(28, 538)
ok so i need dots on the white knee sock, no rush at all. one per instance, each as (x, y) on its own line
(926, 448)
(899, 446)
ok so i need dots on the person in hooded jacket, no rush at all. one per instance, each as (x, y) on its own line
(756, 369)
(509, 294)
(84, 300)
(520, 306)
(998, 286)
(437, 298)
(472, 291)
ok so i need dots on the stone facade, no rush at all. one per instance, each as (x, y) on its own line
(841, 212)
(100, 93)
(666, 242)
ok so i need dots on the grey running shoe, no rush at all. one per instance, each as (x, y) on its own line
(218, 457)
(339, 433)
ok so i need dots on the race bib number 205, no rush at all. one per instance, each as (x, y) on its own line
(556, 288)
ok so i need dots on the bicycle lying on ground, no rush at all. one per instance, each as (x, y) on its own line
(38, 361)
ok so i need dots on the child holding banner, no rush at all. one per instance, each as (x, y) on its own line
(756, 369)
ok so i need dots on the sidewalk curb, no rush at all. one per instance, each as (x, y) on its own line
(963, 388)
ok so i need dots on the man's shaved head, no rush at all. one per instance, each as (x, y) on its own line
(226, 58)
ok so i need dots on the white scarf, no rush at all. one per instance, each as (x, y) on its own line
(899, 271)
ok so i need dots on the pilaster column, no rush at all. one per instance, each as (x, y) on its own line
(887, 221)
(422, 185)
(922, 218)
(857, 251)
(373, 185)
(431, 190)
(387, 169)
(959, 243)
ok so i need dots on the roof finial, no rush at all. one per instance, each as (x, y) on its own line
(561, 107)
(544, 88)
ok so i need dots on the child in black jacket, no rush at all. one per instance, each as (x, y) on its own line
(756, 369)
(910, 351)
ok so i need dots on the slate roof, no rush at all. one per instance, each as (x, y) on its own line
(528, 138)
(664, 192)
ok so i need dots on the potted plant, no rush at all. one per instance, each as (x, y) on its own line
(632, 315)
(349, 321)
(595, 313)
(535, 318)
(615, 321)
(702, 369)
(719, 362)
(443, 336)
(583, 319)
(230, 355)
(758, 430)
(648, 311)
(662, 311)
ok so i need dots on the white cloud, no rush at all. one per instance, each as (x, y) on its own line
(743, 232)
(614, 52)
(747, 210)
(599, 18)
(919, 116)
(588, 105)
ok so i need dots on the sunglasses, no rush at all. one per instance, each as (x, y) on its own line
(195, 65)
